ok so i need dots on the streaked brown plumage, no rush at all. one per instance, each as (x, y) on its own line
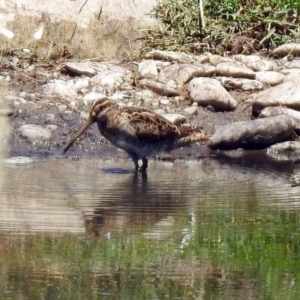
(138, 131)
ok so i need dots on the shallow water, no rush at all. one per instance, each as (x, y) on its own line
(213, 228)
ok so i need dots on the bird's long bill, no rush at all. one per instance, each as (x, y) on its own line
(88, 123)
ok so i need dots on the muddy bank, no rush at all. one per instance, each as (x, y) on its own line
(51, 101)
(44, 112)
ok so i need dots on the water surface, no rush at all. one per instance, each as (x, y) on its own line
(213, 228)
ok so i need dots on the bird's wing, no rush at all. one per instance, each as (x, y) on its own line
(149, 125)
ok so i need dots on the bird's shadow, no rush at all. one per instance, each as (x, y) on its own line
(122, 171)
(117, 171)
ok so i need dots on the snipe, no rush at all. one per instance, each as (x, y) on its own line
(138, 131)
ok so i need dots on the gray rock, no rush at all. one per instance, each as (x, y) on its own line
(81, 84)
(240, 84)
(170, 56)
(49, 117)
(288, 150)
(269, 77)
(236, 70)
(175, 118)
(287, 49)
(251, 135)
(183, 73)
(279, 110)
(112, 79)
(294, 71)
(159, 88)
(91, 97)
(160, 111)
(293, 64)
(59, 88)
(285, 94)
(263, 65)
(283, 147)
(52, 127)
(80, 68)
(34, 132)
(191, 111)
(148, 69)
(145, 95)
(292, 78)
(207, 91)
(217, 59)
(247, 59)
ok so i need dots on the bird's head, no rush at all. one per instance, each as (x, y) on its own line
(97, 114)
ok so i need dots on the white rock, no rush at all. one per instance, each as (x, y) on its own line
(263, 65)
(32, 96)
(81, 83)
(118, 96)
(50, 117)
(148, 69)
(247, 59)
(110, 77)
(160, 111)
(52, 127)
(295, 71)
(18, 161)
(175, 118)
(285, 94)
(291, 77)
(91, 97)
(108, 81)
(159, 88)
(233, 69)
(23, 94)
(182, 73)
(217, 59)
(84, 115)
(144, 95)
(162, 64)
(269, 77)
(240, 84)
(207, 91)
(190, 111)
(59, 88)
(34, 132)
(293, 64)
(164, 101)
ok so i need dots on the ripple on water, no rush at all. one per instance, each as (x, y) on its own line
(63, 195)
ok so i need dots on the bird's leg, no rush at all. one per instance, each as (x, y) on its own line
(136, 163)
(145, 163)
(135, 160)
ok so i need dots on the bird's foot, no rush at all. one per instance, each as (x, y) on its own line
(145, 164)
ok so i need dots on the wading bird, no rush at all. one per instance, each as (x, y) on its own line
(138, 131)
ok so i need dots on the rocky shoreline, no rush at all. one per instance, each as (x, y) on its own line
(243, 102)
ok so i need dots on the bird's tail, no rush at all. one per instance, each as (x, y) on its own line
(190, 134)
